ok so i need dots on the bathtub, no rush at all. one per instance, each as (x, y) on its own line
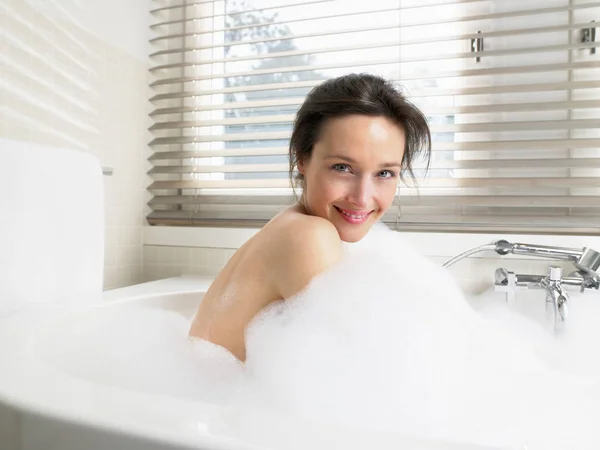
(42, 407)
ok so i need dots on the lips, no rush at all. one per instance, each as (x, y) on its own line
(354, 217)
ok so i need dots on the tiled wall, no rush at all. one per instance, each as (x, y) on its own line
(172, 251)
(474, 274)
(166, 261)
(75, 74)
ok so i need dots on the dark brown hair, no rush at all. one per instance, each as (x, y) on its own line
(362, 94)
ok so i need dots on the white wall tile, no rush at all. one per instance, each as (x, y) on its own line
(165, 261)
(473, 274)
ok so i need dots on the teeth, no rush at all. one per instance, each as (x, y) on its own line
(352, 215)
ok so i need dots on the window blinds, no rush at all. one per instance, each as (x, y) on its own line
(511, 90)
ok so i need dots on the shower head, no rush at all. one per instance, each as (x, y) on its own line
(586, 260)
(589, 263)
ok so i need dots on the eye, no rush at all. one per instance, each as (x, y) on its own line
(387, 174)
(341, 167)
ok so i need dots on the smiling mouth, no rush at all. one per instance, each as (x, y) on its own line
(353, 217)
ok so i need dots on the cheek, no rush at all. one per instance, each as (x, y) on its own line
(321, 186)
(386, 195)
(333, 189)
(330, 188)
(322, 192)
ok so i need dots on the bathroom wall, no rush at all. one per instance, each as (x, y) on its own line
(74, 73)
(171, 251)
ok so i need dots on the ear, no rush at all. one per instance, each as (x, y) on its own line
(301, 166)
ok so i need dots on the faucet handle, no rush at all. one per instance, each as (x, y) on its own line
(505, 281)
(589, 283)
(554, 273)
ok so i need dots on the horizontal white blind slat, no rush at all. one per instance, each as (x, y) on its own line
(582, 182)
(256, 151)
(246, 11)
(501, 89)
(242, 201)
(449, 224)
(514, 145)
(433, 74)
(439, 110)
(288, 119)
(279, 135)
(288, 5)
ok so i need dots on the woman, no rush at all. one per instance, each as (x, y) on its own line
(353, 139)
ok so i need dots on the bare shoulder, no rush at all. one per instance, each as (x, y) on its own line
(303, 246)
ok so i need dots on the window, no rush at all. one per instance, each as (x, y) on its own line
(510, 90)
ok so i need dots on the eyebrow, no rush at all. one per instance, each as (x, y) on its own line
(351, 161)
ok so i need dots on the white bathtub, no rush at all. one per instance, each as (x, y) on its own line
(44, 408)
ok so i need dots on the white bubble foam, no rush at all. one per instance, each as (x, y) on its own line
(143, 349)
(384, 340)
(387, 340)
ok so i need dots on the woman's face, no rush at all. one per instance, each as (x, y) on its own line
(351, 177)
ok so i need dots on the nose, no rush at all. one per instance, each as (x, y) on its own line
(362, 192)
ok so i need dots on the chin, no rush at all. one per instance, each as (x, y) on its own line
(354, 233)
(352, 239)
(350, 236)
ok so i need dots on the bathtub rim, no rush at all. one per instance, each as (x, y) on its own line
(31, 386)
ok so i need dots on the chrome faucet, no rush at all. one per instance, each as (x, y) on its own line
(557, 297)
(586, 275)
